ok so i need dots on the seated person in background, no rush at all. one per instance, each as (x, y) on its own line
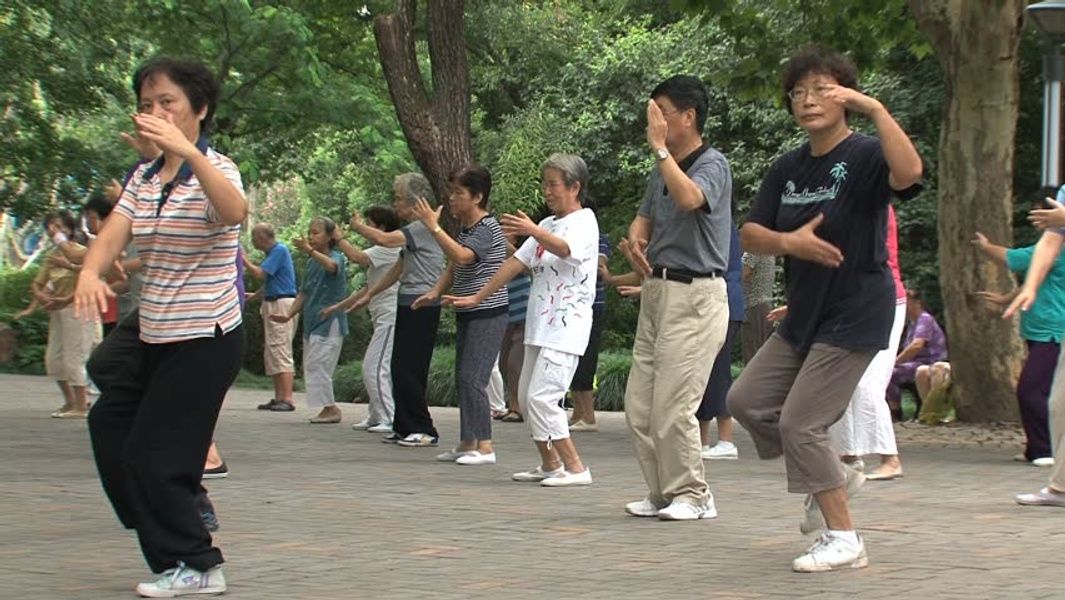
(925, 344)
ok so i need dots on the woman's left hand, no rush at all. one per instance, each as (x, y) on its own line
(163, 133)
(518, 224)
(850, 99)
(302, 245)
(425, 213)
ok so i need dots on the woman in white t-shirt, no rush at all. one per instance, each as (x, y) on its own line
(562, 254)
(377, 362)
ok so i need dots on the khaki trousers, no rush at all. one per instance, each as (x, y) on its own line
(680, 331)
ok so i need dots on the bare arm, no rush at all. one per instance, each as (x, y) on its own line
(1046, 252)
(385, 282)
(388, 239)
(255, 270)
(510, 269)
(993, 251)
(91, 294)
(519, 224)
(802, 243)
(355, 255)
(909, 352)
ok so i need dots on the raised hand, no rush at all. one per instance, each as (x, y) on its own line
(805, 244)
(849, 98)
(90, 297)
(656, 126)
(302, 244)
(461, 301)
(144, 147)
(777, 314)
(426, 299)
(518, 224)
(1043, 218)
(164, 133)
(425, 213)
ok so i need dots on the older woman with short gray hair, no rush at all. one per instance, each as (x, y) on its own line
(420, 265)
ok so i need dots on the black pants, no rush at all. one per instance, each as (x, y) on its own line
(151, 429)
(716, 393)
(412, 351)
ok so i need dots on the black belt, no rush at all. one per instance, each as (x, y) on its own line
(272, 298)
(681, 275)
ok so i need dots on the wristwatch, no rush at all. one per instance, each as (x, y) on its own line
(661, 154)
(437, 230)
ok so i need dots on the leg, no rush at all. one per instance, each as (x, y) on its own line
(412, 353)
(639, 390)
(546, 376)
(320, 357)
(118, 368)
(758, 394)
(277, 348)
(922, 377)
(582, 388)
(714, 403)
(480, 339)
(377, 374)
(511, 358)
(1033, 396)
(496, 401)
(214, 457)
(167, 446)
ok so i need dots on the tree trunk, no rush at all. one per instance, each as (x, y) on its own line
(976, 41)
(435, 123)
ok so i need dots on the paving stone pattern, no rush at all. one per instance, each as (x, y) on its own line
(321, 511)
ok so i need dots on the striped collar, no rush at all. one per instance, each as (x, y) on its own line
(185, 171)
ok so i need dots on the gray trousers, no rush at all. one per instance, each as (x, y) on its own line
(477, 344)
(787, 402)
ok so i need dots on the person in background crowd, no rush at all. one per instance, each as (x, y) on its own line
(421, 263)
(324, 285)
(476, 254)
(759, 275)
(925, 344)
(561, 254)
(377, 362)
(512, 354)
(278, 293)
(713, 404)
(582, 388)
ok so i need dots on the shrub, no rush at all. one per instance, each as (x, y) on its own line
(347, 383)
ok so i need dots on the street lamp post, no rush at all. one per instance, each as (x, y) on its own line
(1049, 18)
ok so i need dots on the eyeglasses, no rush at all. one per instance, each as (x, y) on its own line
(816, 92)
(546, 185)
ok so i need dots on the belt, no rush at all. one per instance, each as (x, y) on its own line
(681, 275)
(272, 298)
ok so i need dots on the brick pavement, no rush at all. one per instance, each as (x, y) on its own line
(318, 512)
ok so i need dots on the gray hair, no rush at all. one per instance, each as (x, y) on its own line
(265, 229)
(573, 170)
(412, 186)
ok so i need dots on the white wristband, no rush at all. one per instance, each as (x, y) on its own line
(59, 238)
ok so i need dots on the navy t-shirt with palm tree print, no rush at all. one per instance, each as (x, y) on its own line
(851, 306)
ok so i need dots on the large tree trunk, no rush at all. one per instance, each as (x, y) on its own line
(435, 123)
(976, 41)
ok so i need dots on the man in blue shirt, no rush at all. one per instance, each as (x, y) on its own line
(278, 294)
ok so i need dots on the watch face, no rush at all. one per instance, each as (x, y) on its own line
(662, 154)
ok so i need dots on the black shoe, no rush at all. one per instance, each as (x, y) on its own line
(281, 406)
(267, 405)
(391, 438)
(210, 521)
(216, 473)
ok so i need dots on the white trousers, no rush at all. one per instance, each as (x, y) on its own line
(545, 377)
(377, 373)
(866, 426)
(320, 355)
(496, 401)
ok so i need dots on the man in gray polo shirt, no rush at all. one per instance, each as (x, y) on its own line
(680, 245)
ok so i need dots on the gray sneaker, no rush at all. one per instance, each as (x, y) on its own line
(812, 519)
(1044, 497)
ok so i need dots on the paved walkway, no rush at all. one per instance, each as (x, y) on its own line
(324, 512)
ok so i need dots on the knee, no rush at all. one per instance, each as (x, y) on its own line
(736, 403)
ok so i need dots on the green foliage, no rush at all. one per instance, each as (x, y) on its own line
(347, 382)
(612, 376)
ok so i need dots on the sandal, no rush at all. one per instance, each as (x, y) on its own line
(512, 417)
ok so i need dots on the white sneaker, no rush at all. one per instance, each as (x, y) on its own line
(830, 553)
(812, 519)
(380, 428)
(362, 425)
(580, 425)
(418, 440)
(567, 479)
(643, 508)
(477, 458)
(183, 580)
(720, 451)
(685, 511)
(537, 475)
(1047, 461)
(453, 455)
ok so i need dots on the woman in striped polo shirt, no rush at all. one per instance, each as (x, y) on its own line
(476, 254)
(150, 437)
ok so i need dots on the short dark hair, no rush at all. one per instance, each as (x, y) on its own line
(383, 216)
(685, 92)
(328, 225)
(913, 293)
(476, 179)
(820, 60)
(99, 204)
(192, 76)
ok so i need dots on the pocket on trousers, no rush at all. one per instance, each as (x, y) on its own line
(554, 365)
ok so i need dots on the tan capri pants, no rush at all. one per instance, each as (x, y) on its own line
(277, 337)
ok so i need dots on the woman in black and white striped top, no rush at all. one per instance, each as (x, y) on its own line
(475, 255)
